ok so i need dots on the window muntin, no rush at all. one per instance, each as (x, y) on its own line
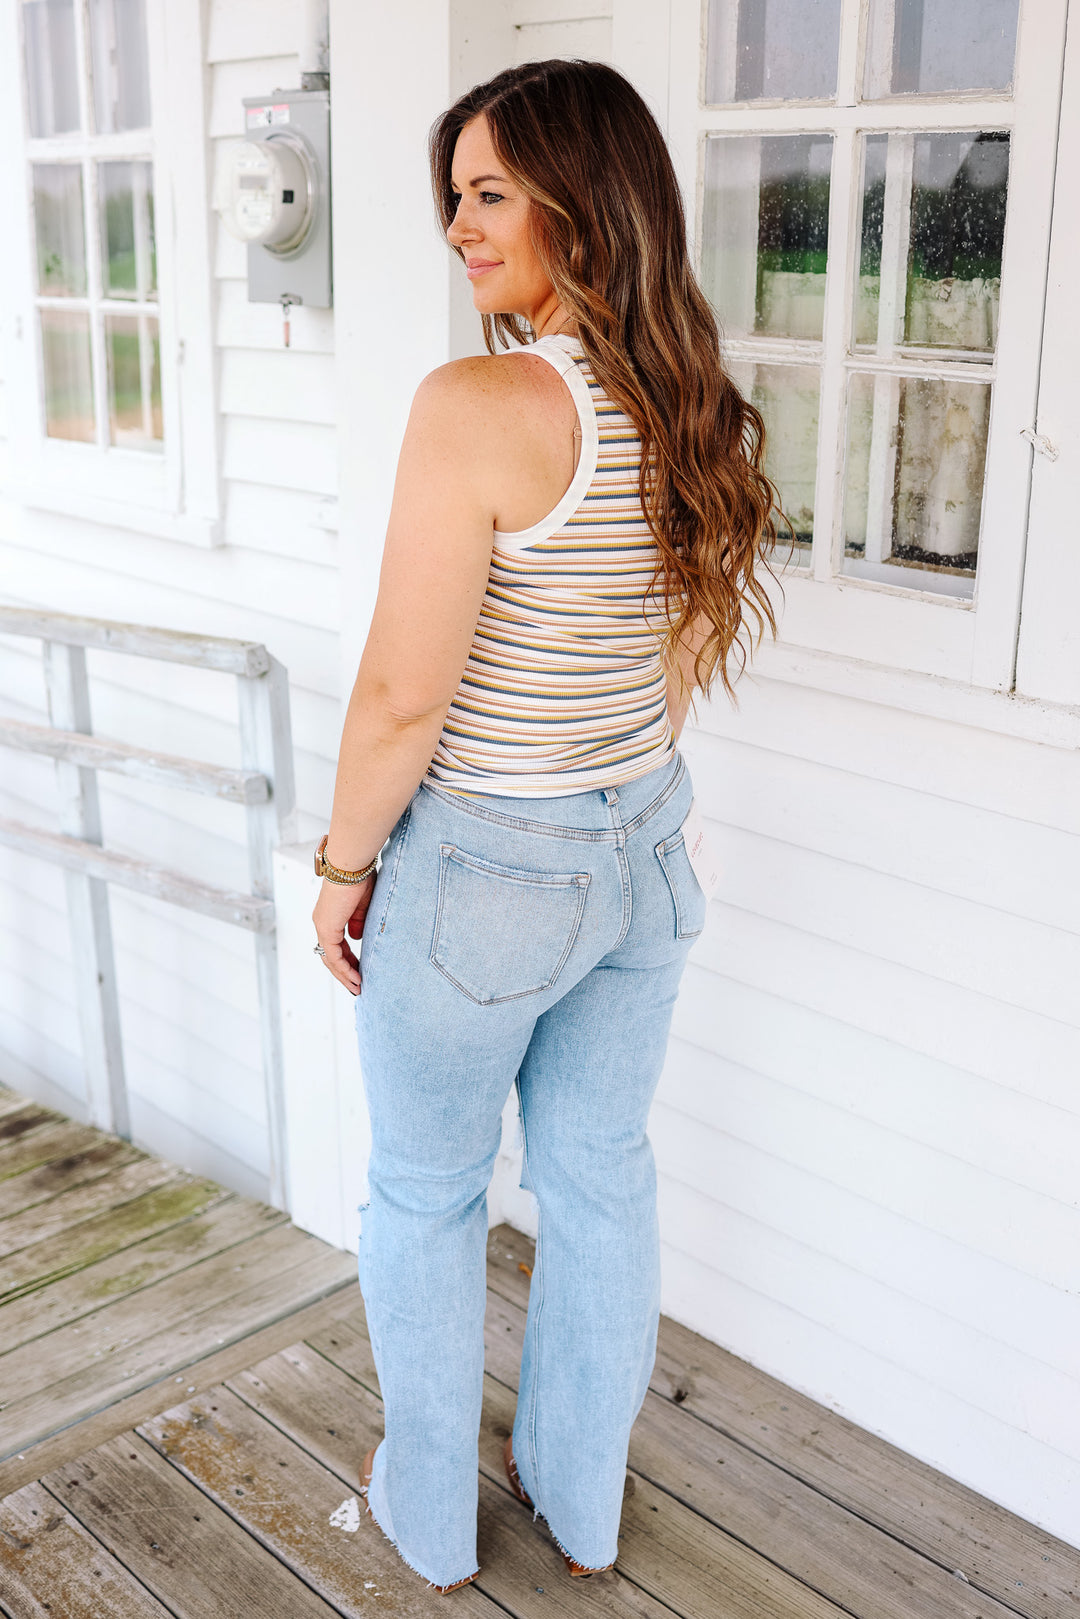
(88, 93)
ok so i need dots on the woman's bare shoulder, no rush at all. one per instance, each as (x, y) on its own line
(491, 385)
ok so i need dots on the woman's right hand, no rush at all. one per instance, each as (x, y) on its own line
(341, 909)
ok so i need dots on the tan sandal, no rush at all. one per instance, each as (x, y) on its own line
(578, 1570)
(365, 1480)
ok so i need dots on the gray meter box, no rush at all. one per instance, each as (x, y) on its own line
(304, 274)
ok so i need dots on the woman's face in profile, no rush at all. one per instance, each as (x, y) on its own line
(491, 227)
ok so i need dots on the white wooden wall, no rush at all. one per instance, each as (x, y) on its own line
(187, 985)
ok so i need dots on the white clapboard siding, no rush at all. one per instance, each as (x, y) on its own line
(855, 1156)
(287, 523)
(245, 325)
(589, 37)
(302, 454)
(953, 1110)
(771, 1315)
(904, 921)
(1003, 774)
(793, 1186)
(278, 384)
(239, 29)
(232, 81)
(1034, 1055)
(885, 1318)
(931, 841)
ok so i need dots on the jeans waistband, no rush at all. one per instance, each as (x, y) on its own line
(599, 815)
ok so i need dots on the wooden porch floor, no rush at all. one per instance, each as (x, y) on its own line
(186, 1387)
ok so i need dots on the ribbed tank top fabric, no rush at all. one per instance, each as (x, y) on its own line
(564, 687)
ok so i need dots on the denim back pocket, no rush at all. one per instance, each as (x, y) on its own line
(500, 932)
(686, 891)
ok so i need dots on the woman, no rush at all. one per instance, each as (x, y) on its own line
(571, 548)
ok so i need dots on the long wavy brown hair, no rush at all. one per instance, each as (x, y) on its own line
(608, 226)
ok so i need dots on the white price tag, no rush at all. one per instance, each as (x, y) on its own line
(699, 851)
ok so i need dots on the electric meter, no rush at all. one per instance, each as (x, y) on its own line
(268, 193)
(272, 191)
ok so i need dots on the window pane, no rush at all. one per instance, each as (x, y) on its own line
(929, 47)
(52, 85)
(69, 399)
(129, 266)
(915, 463)
(932, 234)
(120, 72)
(787, 397)
(782, 50)
(58, 224)
(131, 342)
(765, 234)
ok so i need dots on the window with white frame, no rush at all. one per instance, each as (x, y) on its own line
(873, 202)
(92, 192)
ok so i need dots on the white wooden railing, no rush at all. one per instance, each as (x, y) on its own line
(263, 785)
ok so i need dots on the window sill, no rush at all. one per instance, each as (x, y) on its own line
(189, 527)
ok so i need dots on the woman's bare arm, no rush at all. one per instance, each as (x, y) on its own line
(681, 681)
(479, 432)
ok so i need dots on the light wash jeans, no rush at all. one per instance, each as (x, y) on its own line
(537, 941)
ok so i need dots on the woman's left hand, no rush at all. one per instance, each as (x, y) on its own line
(341, 908)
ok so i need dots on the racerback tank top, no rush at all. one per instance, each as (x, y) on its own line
(564, 688)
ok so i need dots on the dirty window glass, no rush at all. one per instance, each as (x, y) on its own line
(134, 381)
(932, 47)
(120, 72)
(125, 194)
(765, 233)
(65, 354)
(93, 213)
(58, 228)
(933, 228)
(783, 50)
(52, 78)
(787, 397)
(916, 456)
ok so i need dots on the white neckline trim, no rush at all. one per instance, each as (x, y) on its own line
(558, 351)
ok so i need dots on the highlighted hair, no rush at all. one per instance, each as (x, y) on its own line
(609, 228)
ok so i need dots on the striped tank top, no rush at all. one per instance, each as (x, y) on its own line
(564, 687)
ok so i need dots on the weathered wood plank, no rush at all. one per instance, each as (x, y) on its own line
(41, 1146)
(20, 1120)
(192, 1556)
(43, 1455)
(10, 1101)
(36, 1186)
(145, 764)
(76, 854)
(50, 1565)
(937, 1517)
(166, 1327)
(284, 1497)
(33, 1228)
(222, 653)
(669, 1551)
(227, 1223)
(336, 1419)
(117, 1226)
